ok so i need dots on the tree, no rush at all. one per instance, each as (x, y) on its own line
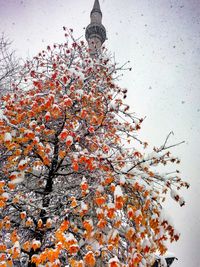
(74, 188)
(9, 66)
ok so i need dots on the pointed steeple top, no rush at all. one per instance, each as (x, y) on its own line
(96, 7)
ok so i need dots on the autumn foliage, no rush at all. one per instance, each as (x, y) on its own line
(74, 190)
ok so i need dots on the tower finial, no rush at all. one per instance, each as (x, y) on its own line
(95, 33)
(96, 7)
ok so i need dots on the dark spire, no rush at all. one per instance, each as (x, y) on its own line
(96, 7)
(95, 33)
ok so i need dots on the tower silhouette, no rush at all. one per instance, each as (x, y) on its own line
(95, 33)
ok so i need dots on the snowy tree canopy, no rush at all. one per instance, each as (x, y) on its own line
(75, 189)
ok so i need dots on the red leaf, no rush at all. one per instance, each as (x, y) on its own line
(32, 73)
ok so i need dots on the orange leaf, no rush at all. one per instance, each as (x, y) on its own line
(14, 236)
(73, 249)
(63, 135)
(62, 154)
(100, 200)
(40, 223)
(89, 259)
(64, 225)
(102, 223)
(26, 246)
(75, 166)
(88, 226)
(2, 204)
(108, 180)
(84, 186)
(2, 247)
(11, 186)
(23, 215)
(2, 183)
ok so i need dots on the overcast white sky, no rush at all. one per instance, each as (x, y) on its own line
(161, 38)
